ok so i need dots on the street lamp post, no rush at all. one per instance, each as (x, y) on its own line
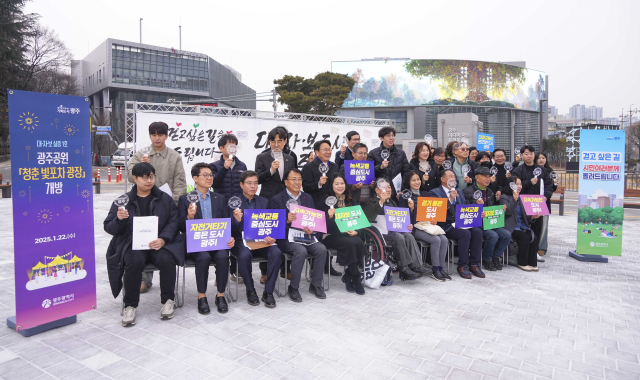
(541, 112)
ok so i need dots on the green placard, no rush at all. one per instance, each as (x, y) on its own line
(494, 217)
(351, 218)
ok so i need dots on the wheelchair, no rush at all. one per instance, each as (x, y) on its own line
(378, 249)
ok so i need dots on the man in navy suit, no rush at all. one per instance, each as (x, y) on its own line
(210, 206)
(314, 183)
(300, 252)
(469, 240)
(346, 152)
(249, 185)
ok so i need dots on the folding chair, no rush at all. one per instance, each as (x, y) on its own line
(307, 275)
(190, 263)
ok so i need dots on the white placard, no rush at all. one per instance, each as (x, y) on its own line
(397, 182)
(145, 230)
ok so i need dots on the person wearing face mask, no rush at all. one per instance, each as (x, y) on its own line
(518, 223)
(460, 159)
(350, 247)
(497, 239)
(541, 159)
(403, 243)
(469, 239)
(422, 163)
(437, 243)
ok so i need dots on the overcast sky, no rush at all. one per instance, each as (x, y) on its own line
(589, 49)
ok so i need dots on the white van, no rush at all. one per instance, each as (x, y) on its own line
(118, 157)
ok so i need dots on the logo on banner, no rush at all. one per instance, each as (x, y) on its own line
(46, 303)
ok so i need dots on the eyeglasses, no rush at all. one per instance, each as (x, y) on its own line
(356, 140)
(149, 178)
(463, 149)
(251, 183)
(206, 176)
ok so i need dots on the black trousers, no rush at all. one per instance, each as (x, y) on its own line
(527, 249)
(244, 255)
(536, 226)
(134, 262)
(350, 249)
(203, 261)
(469, 245)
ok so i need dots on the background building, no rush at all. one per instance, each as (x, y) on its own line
(118, 71)
(449, 99)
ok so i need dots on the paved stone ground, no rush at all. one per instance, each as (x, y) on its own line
(571, 320)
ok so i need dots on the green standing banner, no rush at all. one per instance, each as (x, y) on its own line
(493, 217)
(351, 219)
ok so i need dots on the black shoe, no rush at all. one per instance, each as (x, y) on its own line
(446, 275)
(268, 300)
(252, 298)
(418, 269)
(317, 291)
(203, 306)
(346, 278)
(408, 274)
(497, 263)
(294, 294)
(438, 276)
(357, 284)
(488, 265)
(221, 303)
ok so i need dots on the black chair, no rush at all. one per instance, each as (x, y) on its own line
(189, 263)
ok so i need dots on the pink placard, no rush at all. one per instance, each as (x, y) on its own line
(308, 217)
(534, 204)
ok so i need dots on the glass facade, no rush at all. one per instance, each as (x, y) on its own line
(153, 68)
(399, 116)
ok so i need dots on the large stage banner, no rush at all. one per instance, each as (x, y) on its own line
(53, 236)
(601, 196)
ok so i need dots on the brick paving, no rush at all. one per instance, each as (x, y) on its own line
(571, 320)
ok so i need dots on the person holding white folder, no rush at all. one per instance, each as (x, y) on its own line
(158, 215)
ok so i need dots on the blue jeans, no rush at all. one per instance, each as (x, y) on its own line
(497, 241)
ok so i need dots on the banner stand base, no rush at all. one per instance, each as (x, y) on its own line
(11, 323)
(588, 258)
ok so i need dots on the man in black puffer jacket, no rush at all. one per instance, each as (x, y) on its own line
(397, 162)
(226, 171)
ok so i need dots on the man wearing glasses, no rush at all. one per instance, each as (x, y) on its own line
(346, 152)
(313, 182)
(272, 164)
(360, 191)
(458, 161)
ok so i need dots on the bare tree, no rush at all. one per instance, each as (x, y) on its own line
(54, 81)
(46, 54)
(633, 133)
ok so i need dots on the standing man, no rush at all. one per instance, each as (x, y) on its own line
(500, 157)
(469, 240)
(497, 239)
(458, 161)
(360, 191)
(210, 206)
(226, 178)
(249, 185)
(300, 252)
(124, 264)
(532, 184)
(314, 183)
(168, 170)
(397, 162)
(270, 170)
(346, 152)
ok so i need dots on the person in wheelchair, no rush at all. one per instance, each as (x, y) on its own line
(404, 243)
(210, 206)
(349, 245)
(438, 243)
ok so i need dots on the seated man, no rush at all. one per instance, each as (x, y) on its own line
(470, 239)
(403, 242)
(145, 199)
(249, 186)
(497, 239)
(210, 206)
(300, 252)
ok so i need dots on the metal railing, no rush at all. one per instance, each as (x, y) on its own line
(570, 180)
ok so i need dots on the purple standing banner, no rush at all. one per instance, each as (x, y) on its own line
(208, 234)
(359, 172)
(398, 219)
(469, 216)
(258, 224)
(308, 217)
(53, 235)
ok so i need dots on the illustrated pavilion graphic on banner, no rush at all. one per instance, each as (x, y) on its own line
(52, 207)
(601, 196)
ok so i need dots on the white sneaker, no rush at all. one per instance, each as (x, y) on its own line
(168, 309)
(129, 316)
(533, 269)
(525, 268)
(540, 259)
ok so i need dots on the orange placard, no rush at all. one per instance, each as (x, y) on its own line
(432, 209)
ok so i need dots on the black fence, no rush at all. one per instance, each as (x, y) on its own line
(569, 179)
